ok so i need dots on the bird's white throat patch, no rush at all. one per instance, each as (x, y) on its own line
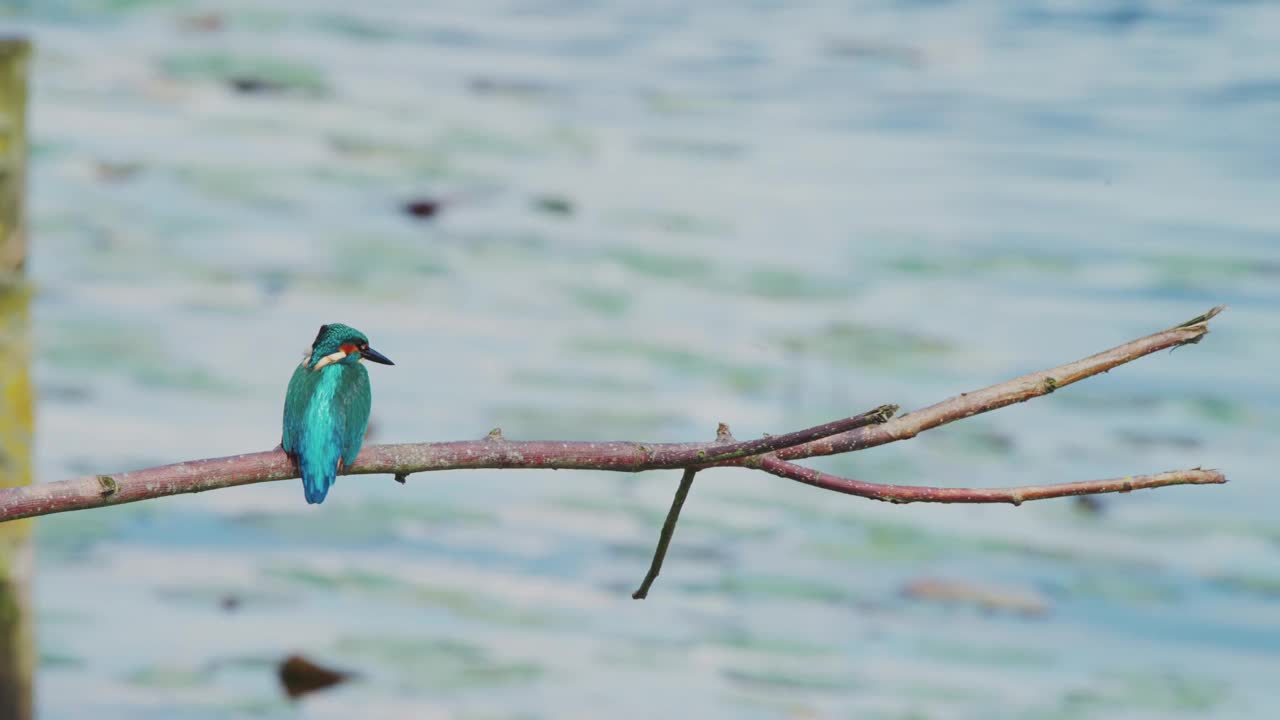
(329, 359)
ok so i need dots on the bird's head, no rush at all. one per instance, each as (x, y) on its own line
(337, 343)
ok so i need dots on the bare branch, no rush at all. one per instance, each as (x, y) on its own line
(1006, 393)
(492, 452)
(901, 494)
(664, 539)
(856, 433)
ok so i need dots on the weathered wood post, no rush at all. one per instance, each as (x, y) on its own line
(17, 644)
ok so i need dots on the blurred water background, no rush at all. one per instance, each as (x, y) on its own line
(654, 216)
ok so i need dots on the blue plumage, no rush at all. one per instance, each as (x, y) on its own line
(326, 409)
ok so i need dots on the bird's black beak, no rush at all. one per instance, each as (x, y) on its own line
(374, 356)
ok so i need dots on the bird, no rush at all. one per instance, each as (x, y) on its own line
(326, 408)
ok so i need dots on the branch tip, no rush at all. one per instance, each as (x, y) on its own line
(664, 538)
(1202, 319)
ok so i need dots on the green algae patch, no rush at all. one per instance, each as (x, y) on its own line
(662, 266)
(604, 302)
(782, 284)
(776, 587)
(856, 344)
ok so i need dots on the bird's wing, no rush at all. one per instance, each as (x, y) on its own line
(353, 401)
(301, 387)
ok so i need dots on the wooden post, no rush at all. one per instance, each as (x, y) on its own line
(17, 644)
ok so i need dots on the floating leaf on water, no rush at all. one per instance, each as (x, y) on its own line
(422, 208)
(300, 676)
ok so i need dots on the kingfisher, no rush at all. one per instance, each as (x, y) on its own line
(326, 409)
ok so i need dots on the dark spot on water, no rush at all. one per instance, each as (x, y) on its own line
(553, 204)
(249, 85)
(299, 676)
(422, 208)
(230, 602)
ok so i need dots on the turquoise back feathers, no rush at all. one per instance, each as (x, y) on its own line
(326, 409)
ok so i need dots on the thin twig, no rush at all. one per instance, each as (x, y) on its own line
(901, 494)
(664, 539)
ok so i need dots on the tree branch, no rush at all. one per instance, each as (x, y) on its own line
(902, 494)
(769, 454)
(1006, 393)
(664, 539)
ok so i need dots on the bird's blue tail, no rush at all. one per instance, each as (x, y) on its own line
(319, 471)
(316, 486)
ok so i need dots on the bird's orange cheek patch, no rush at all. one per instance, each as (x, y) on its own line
(347, 348)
